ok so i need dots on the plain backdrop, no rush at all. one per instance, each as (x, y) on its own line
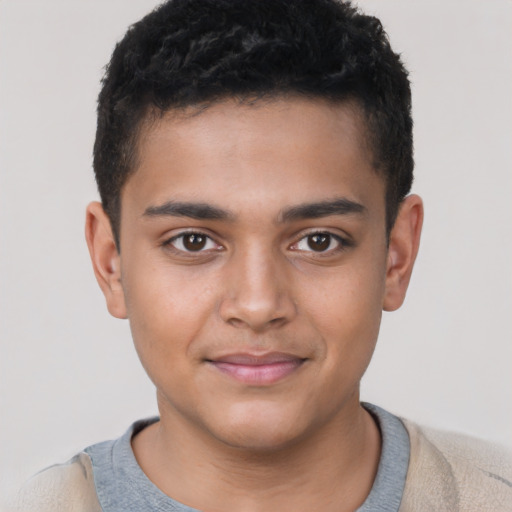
(69, 374)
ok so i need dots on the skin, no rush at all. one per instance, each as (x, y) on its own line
(262, 275)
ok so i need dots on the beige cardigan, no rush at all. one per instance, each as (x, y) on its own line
(447, 473)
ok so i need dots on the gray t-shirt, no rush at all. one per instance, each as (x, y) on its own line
(122, 486)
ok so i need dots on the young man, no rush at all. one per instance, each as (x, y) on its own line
(254, 160)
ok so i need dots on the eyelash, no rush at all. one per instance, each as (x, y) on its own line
(342, 243)
(170, 243)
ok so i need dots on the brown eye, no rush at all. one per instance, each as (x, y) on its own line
(319, 242)
(194, 241)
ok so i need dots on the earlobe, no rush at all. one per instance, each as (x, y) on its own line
(403, 247)
(105, 258)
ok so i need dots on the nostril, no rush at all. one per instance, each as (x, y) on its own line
(257, 325)
(277, 321)
(236, 322)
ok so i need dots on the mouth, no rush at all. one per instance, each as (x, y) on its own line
(257, 370)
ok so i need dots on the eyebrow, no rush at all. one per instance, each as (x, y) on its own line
(199, 211)
(341, 206)
(204, 211)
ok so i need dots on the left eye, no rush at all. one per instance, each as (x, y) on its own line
(319, 242)
(192, 242)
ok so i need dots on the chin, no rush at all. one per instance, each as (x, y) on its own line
(260, 429)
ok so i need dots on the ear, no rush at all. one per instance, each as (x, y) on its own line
(105, 258)
(404, 242)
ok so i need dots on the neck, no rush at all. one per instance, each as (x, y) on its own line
(332, 468)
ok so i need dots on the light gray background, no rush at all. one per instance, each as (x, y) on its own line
(69, 374)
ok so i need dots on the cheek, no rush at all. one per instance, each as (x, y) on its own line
(347, 314)
(166, 309)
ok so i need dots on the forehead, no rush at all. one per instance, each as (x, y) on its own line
(300, 147)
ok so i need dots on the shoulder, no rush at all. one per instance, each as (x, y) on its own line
(67, 487)
(455, 472)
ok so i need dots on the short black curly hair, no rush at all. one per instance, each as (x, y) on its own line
(198, 52)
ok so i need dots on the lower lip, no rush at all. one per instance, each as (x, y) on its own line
(258, 375)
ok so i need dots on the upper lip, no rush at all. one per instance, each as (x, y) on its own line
(248, 359)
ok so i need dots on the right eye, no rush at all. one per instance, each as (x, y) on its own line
(192, 242)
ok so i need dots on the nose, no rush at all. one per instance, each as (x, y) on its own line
(258, 293)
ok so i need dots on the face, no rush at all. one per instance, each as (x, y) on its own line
(254, 267)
